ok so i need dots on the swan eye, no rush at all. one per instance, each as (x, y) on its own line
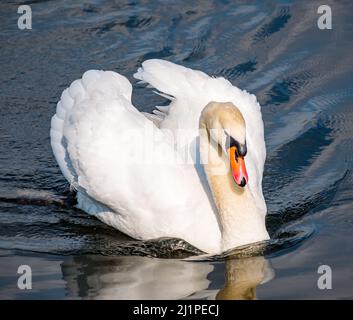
(241, 149)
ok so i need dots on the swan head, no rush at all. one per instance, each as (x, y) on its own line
(226, 127)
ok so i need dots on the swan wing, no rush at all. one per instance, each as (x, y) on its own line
(125, 169)
(190, 91)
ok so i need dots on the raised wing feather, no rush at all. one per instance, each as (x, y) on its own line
(191, 91)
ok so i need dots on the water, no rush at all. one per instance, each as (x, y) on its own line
(302, 77)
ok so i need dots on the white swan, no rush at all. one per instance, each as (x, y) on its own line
(128, 166)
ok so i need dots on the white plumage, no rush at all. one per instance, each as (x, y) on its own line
(97, 137)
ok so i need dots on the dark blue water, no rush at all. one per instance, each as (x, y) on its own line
(303, 79)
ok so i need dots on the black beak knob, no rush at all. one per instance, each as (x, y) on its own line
(243, 182)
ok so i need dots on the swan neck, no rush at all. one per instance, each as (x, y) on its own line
(240, 220)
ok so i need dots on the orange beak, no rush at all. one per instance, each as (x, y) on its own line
(237, 165)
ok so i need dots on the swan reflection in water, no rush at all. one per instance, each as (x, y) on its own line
(101, 277)
(242, 276)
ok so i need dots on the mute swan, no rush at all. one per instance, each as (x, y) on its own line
(128, 167)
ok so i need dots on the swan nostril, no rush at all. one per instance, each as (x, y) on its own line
(243, 182)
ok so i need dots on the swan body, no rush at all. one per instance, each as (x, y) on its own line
(128, 167)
